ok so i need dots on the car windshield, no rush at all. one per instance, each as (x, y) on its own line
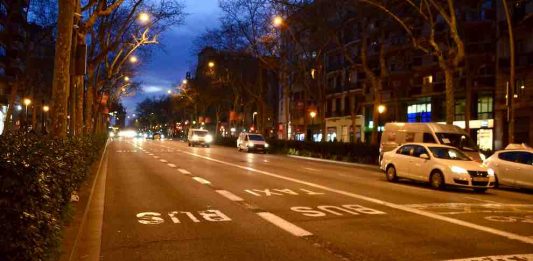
(200, 133)
(457, 140)
(448, 153)
(256, 137)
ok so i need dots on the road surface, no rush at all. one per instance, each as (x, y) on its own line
(167, 201)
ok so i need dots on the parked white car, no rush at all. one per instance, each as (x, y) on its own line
(252, 142)
(440, 165)
(513, 166)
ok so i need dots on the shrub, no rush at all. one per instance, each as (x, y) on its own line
(37, 177)
(351, 152)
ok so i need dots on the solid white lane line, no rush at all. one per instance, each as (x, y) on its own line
(184, 171)
(505, 257)
(284, 224)
(163, 160)
(229, 195)
(483, 200)
(498, 232)
(201, 180)
(171, 165)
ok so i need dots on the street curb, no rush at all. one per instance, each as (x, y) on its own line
(359, 165)
(75, 247)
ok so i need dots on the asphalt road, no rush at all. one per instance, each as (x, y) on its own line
(166, 201)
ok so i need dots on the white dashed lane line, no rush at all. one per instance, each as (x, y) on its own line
(163, 160)
(284, 224)
(171, 165)
(182, 171)
(229, 195)
(201, 180)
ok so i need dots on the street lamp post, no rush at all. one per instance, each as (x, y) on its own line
(44, 117)
(313, 115)
(381, 110)
(253, 120)
(26, 102)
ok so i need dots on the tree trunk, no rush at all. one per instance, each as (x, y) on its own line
(62, 67)
(450, 99)
(10, 118)
(89, 102)
(79, 105)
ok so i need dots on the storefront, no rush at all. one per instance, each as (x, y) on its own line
(341, 129)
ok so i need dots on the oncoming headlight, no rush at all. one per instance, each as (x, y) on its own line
(250, 144)
(111, 134)
(490, 172)
(482, 156)
(208, 138)
(266, 145)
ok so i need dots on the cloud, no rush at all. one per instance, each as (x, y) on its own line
(150, 89)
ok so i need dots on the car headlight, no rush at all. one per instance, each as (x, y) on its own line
(250, 144)
(111, 134)
(266, 145)
(490, 172)
(482, 156)
(194, 138)
(459, 170)
(208, 138)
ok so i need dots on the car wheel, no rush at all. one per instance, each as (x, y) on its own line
(436, 180)
(391, 174)
(480, 190)
(189, 144)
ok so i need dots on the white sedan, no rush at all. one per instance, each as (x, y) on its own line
(440, 165)
(513, 167)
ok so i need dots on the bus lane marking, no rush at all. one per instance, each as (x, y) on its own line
(284, 224)
(404, 208)
(229, 195)
(281, 192)
(176, 217)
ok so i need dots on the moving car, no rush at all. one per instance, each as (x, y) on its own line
(440, 165)
(398, 133)
(513, 166)
(252, 142)
(199, 137)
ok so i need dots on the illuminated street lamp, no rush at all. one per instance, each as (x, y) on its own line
(277, 21)
(211, 64)
(26, 102)
(381, 110)
(144, 17)
(44, 117)
(169, 91)
(312, 114)
(185, 81)
(126, 78)
(134, 59)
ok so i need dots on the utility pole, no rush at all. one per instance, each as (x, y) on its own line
(511, 87)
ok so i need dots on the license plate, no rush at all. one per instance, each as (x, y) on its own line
(480, 179)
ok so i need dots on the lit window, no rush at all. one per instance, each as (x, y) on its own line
(484, 107)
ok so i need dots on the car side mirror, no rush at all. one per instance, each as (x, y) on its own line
(424, 156)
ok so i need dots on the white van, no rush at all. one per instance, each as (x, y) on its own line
(252, 142)
(398, 133)
(199, 137)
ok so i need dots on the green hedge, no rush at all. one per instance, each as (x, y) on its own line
(350, 152)
(37, 177)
